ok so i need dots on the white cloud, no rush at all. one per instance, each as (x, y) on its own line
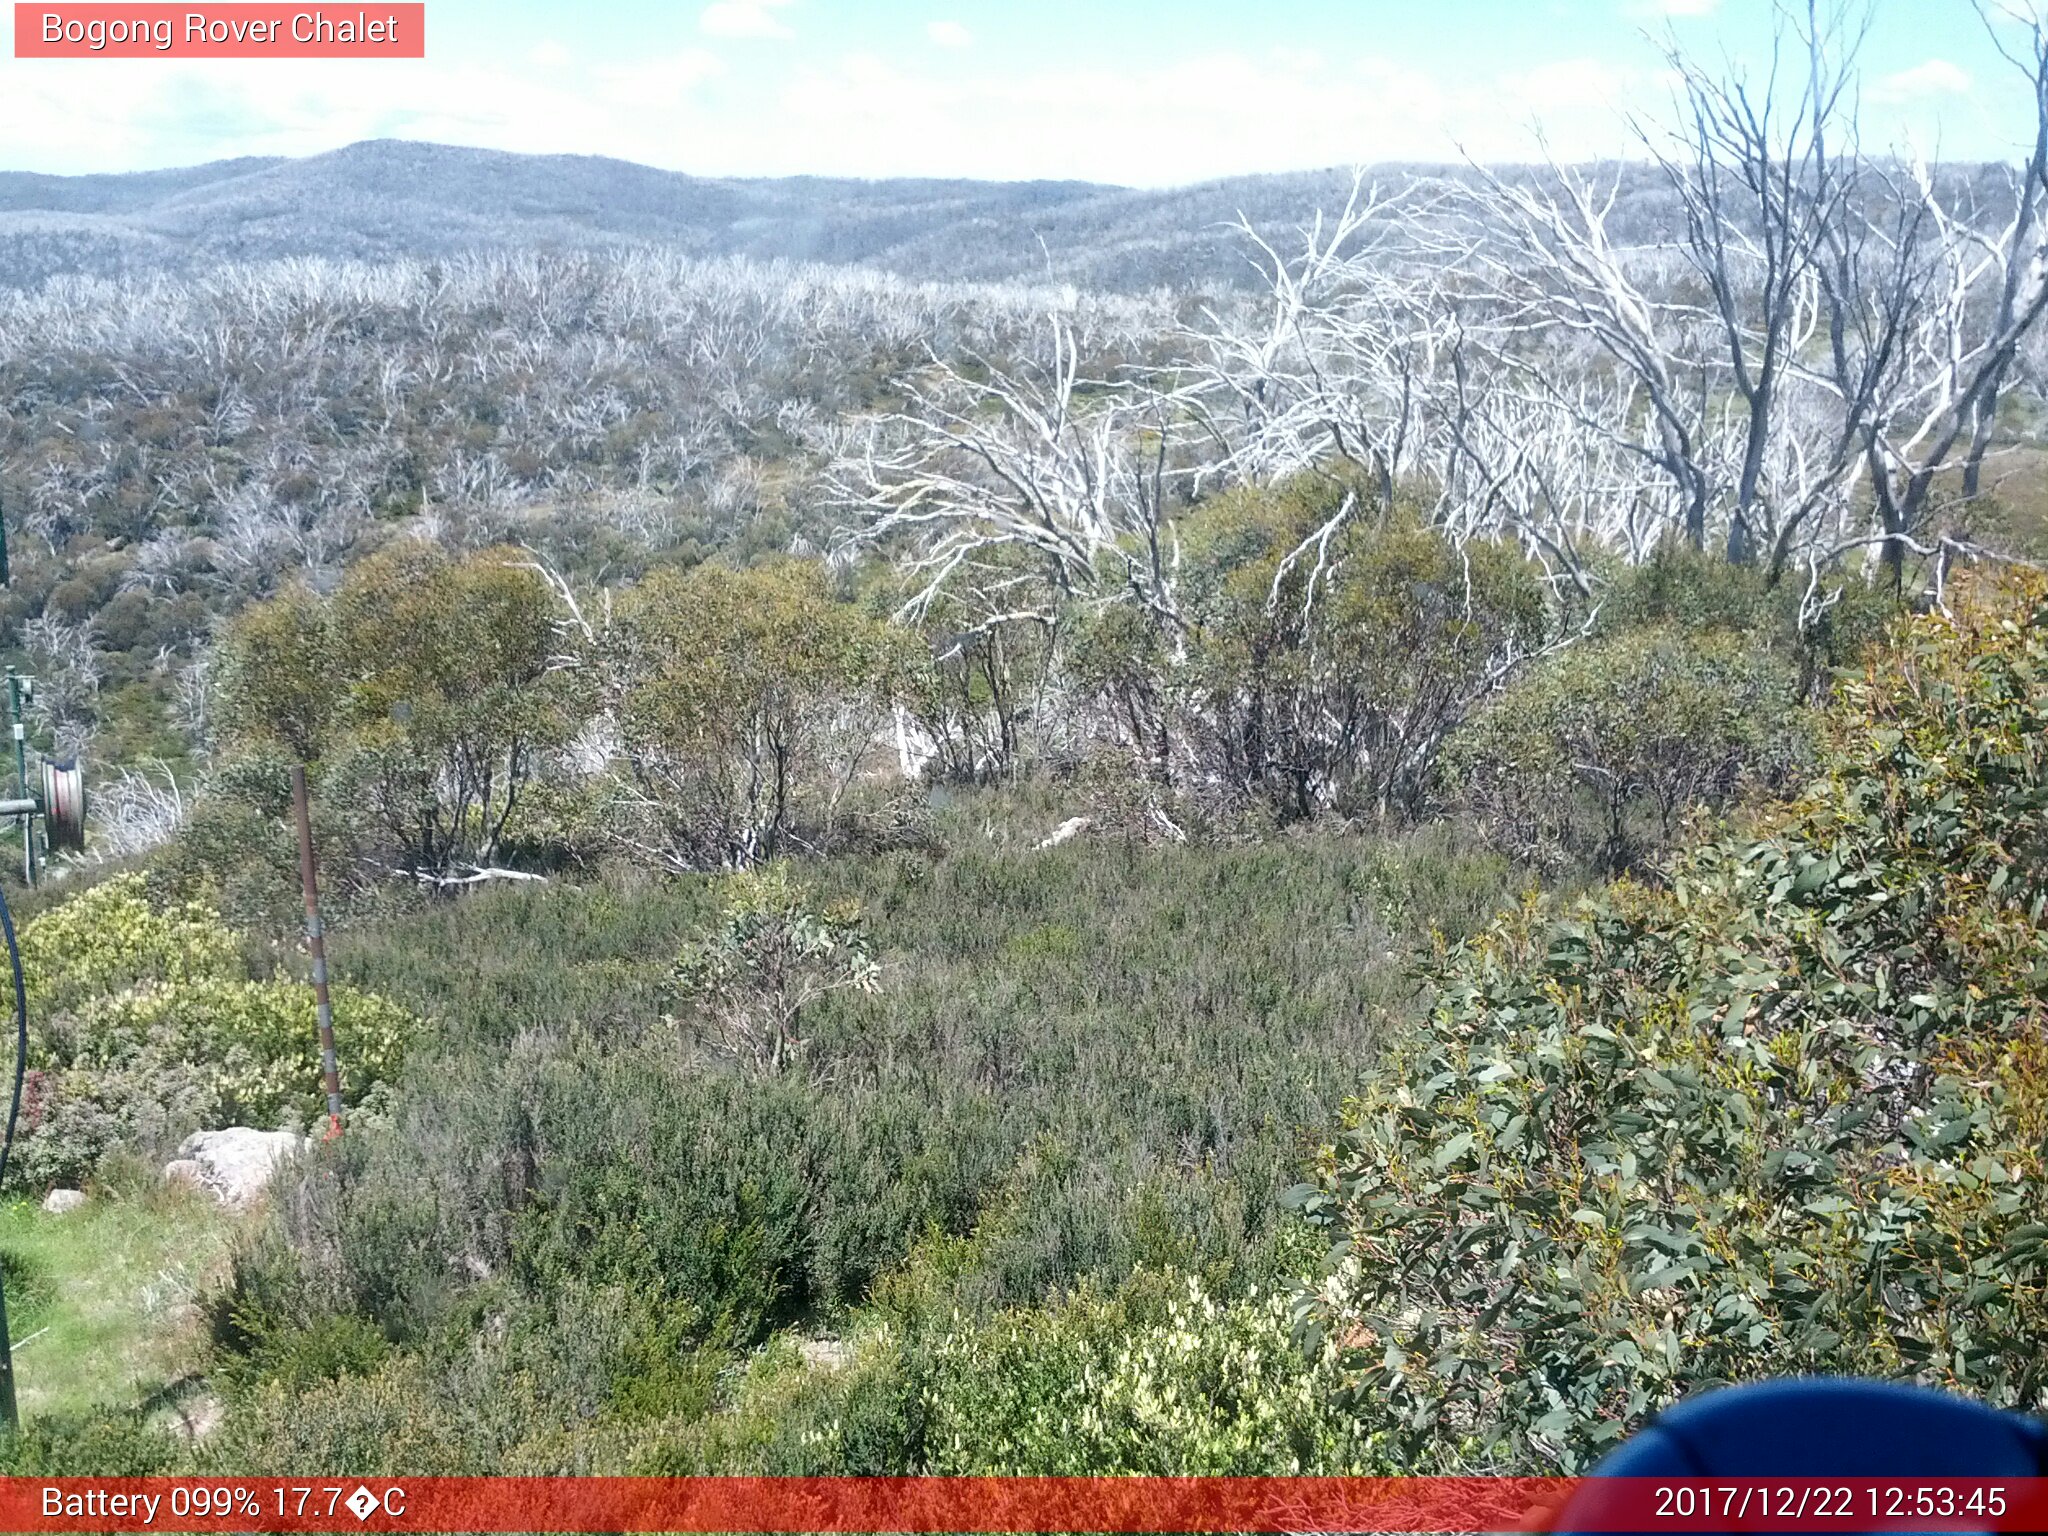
(975, 112)
(949, 34)
(1561, 86)
(744, 18)
(127, 114)
(1935, 77)
(1306, 60)
(653, 84)
(870, 115)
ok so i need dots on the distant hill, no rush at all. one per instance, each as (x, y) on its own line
(391, 198)
(394, 198)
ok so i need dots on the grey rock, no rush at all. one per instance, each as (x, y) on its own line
(1066, 831)
(234, 1165)
(825, 1354)
(60, 1202)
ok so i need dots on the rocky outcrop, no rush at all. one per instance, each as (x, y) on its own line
(825, 1354)
(235, 1165)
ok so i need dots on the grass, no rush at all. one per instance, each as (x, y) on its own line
(1080, 1061)
(2017, 521)
(101, 1303)
(1085, 1065)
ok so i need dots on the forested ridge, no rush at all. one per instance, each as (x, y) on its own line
(1378, 869)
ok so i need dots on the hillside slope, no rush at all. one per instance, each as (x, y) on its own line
(394, 198)
(390, 198)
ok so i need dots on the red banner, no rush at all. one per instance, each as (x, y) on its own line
(1005, 1504)
(236, 31)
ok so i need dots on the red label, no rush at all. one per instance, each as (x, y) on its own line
(380, 1506)
(240, 31)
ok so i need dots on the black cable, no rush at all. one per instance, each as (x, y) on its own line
(10, 1414)
(20, 1034)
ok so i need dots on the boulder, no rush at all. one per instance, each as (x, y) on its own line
(235, 1165)
(825, 1354)
(60, 1202)
(1066, 831)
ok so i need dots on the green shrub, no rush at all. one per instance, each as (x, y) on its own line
(430, 687)
(107, 1442)
(1597, 754)
(325, 1348)
(113, 937)
(391, 1420)
(1074, 1064)
(1162, 1378)
(1332, 651)
(1787, 1115)
(78, 1117)
(747, 984)
(257, 1042)
(589, 1379)
(147, 1028)
(557, 825)
(747, 703)
(1699, 592)
(1156, 1376)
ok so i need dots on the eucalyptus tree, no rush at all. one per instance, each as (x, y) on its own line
(748, 703)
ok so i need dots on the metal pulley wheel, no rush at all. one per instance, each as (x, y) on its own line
(64, 804)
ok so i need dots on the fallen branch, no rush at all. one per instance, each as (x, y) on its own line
(477, 875)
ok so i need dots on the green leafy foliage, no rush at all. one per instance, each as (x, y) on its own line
(1162, 1378)
(1159, 1376)
(1700, 593)
(556, 1144)
(747, 984)
(257, 1042)
(1335, 645)
(429, 686)
(279, 677)
(1597, 754)
(114, 937)
(111, 1442)
(748, 703)
(148, 1027)
(1786, 1114)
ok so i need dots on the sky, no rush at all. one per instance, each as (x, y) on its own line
(1138, 92)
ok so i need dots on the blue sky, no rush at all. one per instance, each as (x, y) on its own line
(1147, 92)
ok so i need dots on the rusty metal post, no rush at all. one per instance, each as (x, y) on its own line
(316, 942)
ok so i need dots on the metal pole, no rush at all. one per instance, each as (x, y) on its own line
(28, 823)
(316, 941)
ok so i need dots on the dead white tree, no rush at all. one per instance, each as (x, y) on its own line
(1553, 468)
(67, 672)
(1848, 326)
(1934, 346)
(1333, 359)
(140, 809)
(1031, 459)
